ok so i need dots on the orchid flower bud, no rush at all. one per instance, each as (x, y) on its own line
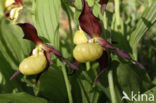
(14, 13)
(12, 8)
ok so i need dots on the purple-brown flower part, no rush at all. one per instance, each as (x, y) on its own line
(88, 22)
(121, 53)
(15, 74)
(103, 62)
(77, 64)
(48, 57)
(18, 2)
(58, 54)
(30, 33)
(103, 5)
(37, 78)
(104, 43)
(125, 55)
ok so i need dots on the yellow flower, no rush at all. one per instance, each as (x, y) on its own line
(34, 64)
(85, 50)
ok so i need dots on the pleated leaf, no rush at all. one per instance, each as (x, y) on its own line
(46, 18)
(13, 47)
(147, 20)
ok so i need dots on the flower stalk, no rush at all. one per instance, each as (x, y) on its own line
(68, 86)
(111, 87)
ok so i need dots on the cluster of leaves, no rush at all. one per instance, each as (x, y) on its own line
(124, 23)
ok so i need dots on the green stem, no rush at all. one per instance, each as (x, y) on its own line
(68, 86)
(117, 11)
(105, 26)
(88, 66)
(111, 87)
(105, 21)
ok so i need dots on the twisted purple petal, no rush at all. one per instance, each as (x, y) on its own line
(103, 62)
(58, 54)
(30, 33)
(15, 74)
(121, 53)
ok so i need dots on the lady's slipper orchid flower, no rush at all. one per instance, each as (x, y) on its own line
(12, 8)
(40, 58)
(85, 50)
(95, 48)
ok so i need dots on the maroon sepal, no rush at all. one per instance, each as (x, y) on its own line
(103, 62)
(37, 78)
(103, 5)
(18, 2)
(88, 22)
(125, 55)
(48, 56)
(30, 33)
(7, 15)
(121, 53)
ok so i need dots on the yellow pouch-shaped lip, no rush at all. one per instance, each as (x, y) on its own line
(33, 64)
(87, 52)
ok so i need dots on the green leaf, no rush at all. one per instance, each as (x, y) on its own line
(90, 2)
(87, 93)
(76, 16)
(1, 8)
(5, 73)
(131, 78)
(78, 4)
(147, 20)
(13, 47)
(46, 18)
(13, 50)
(151, 96)
(52, 86)
(20, 98)
(97, 11)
